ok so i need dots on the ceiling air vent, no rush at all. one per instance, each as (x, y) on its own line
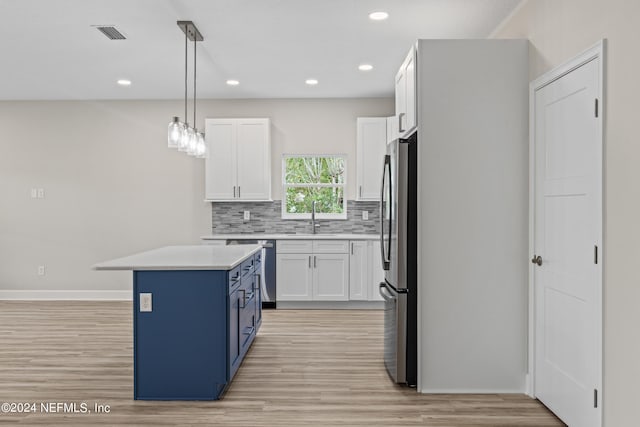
(111, 32)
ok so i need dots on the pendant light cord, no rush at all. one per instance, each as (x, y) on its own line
(195, 56)
(185, 76)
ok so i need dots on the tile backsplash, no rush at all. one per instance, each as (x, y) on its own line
(227, 218)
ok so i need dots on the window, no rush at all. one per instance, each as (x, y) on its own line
(306, 179)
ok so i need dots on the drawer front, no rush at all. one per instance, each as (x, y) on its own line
(294, 246)
(234, 278)
(330, 246)
(247, 265)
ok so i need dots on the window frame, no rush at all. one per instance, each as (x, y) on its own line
(319, 215)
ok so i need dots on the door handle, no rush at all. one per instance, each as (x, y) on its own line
(536, 260)
(234, 191)
(400, 122)
(239, 196)
(309, 261)
(314, 261)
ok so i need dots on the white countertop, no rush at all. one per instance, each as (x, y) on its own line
(265, 236)
(197, 257)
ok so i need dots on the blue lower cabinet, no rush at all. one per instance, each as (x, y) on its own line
(190, 344)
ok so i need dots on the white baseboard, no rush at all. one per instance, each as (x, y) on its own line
(65, 295)
(470, 391)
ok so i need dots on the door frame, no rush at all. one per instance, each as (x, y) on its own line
(596, 51)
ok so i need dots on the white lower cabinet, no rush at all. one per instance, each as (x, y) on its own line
(375, 270)
(330, 277)
(294, 277)
(365, 271)
(309, 270)
(328, 270)
(358, 264)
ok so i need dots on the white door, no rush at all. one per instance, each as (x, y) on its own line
(294, 277)
(220, 168)
(567, 230)
(331, 277)
(254, 159)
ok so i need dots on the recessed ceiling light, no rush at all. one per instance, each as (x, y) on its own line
(233, 82)
(311, 82)
(124, 82)
(378, 16)
(365, 67)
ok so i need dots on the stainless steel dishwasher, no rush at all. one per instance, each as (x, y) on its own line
(268, 275)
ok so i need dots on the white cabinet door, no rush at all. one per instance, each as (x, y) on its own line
(238, 164)
(406, 95)
(330, 277)
(392, 129)
(410, 95)
(220, 164)
(401, 98)
(376, 273)
(294, 277)
(254, 159)
(370, 148)
(358, 271)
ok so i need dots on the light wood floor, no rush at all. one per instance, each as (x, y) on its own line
(306, 368)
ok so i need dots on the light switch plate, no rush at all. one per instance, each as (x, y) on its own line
(365, 215)
(247, 215)
(145, 303)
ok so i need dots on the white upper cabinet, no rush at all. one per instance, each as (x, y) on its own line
(392, 129)
(370, 148)
(238, 163)
(406, 95)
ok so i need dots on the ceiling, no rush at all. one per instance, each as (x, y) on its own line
(50, 49)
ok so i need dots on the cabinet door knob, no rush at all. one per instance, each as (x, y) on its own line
(536, 260)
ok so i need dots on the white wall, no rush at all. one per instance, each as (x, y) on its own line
(472, 215)
(558, 30)
(112, 187)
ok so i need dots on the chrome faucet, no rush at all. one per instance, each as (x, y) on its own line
(313, 217)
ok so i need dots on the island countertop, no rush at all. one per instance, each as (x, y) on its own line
(195, 257)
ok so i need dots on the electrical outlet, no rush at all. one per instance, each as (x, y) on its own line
(41, 270)
(145, 303)
(365, 215)
(34, 193)
(247, 215)
(40, 193)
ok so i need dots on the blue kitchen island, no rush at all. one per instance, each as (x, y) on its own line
(196, 312)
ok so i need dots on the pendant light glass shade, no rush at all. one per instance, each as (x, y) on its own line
(176, 129)
(201, 147)
(183, 145)
(193, 143)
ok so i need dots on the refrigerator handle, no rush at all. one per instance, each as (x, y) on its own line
(387, 165)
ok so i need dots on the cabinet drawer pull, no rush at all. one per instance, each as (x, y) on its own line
(400, 122)
(239, 192)
(314, 262)
(309, 261)
(234, 191)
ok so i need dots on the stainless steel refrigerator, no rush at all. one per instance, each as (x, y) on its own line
(398, 250)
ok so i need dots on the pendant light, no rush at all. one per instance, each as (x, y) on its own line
(181, 135)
